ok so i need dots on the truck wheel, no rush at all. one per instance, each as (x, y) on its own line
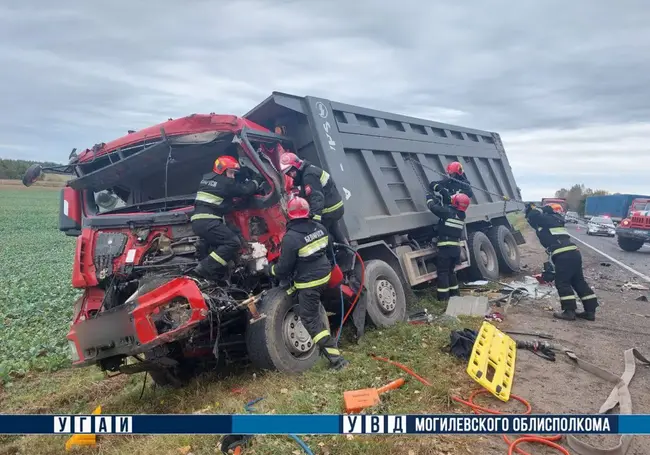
(280, 341)
(386, 301)
(629, 244)
(483, 258)
(506, 248)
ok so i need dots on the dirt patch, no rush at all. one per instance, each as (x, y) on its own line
(560, 387)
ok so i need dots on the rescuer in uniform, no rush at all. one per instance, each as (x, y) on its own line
(455, 182)
(318, 188)
(303, 259)
(216, 198)
(450, 230)
(567, 261)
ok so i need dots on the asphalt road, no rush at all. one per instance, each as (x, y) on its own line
(638, 260)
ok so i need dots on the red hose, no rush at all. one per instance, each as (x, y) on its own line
(356, 298)
(403, 368)
(512, 445)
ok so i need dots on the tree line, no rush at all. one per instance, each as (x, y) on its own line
(15, 169)
(577, 195)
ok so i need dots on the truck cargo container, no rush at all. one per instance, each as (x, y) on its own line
(132, 261)
(614, 206)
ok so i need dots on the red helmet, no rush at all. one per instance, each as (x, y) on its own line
(297, 208)
(289, 160)
(460, 201)
(455, 168)
(223, 163)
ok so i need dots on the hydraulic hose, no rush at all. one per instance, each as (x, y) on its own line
(512, 445)
(361, 284)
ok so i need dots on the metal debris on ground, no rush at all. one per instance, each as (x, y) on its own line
(467, 306)
(634, 286)
(533, 289)
(531, 334)
(642, 298)
(496, 317)
(477, 283)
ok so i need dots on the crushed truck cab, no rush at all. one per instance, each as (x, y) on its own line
(129, 206)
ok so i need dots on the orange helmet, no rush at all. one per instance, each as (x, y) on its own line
(289, 160)
(460, 201)
(297, 208)
(455, 168)
(223, 163)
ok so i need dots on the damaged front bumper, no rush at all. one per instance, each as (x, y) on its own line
(165, 314)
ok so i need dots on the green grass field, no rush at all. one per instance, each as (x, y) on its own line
(35, 309)
(35, 296)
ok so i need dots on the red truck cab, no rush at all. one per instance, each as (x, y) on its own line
(634, 231)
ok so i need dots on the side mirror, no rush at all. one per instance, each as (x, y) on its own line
(32, 174)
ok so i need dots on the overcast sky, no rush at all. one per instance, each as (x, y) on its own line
(567, 84)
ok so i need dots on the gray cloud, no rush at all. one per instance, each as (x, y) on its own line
(77, 73)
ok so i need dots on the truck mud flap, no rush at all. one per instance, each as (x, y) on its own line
(519, 237)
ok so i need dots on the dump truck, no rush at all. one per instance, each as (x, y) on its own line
(131, 199)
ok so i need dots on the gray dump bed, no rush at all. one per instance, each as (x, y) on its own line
(365, 152)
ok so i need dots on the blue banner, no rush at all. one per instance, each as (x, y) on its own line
(324, 424)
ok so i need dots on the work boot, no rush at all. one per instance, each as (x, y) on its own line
(587, 315)
(329, 350)
(567, 315)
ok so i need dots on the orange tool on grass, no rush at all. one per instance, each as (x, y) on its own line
(357, 400)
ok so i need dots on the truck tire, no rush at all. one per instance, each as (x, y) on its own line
(483, 257)
(386, 300)
(279, 341)
(629, 244)
(506, 248)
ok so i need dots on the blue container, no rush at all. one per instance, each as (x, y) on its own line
(615, 206)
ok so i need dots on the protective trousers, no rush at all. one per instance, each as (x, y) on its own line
(309, 302)
(223, 241)
(569, 277)
(447, 282)
(331, 222)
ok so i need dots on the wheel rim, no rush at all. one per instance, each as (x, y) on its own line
(487, 259)
(296, 337)
(386, 296)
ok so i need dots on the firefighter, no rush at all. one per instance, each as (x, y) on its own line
(450, 230)
(318, 188)
(455, 182)
(567, 262)
(217, 196)
(303, 260)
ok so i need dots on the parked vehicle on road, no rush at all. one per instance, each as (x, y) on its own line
(572, 217)
(601, 225)
(634, 230)
(141, 308)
